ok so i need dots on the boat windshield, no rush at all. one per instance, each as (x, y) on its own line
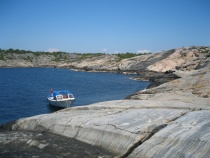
(63, 93)
(59, 97)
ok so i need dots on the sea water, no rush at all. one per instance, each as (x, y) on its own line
(23, 91)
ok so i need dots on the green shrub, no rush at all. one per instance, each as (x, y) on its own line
(127, 55)
(1, 56)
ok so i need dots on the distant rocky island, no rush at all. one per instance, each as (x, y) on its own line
(171, 118)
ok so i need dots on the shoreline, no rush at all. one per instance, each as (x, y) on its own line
(156, 78)
(67, 69)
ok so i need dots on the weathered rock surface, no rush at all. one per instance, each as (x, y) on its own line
(170, 120)
(122, 126)
(142, 62)
(193, 85)
(99, 63)
(188, 136)
(115, 128)
(188, 58)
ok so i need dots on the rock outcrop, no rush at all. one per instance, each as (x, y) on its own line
(170, 120)
(186, 58)
(98, 63)
(194, 84)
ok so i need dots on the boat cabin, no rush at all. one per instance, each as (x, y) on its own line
(60, 95)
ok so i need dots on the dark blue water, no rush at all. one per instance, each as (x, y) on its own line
(23, 91)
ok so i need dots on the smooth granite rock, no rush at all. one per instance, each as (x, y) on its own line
(114, 129)
(188, 136)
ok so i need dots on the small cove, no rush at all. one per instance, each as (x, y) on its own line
(24, 90)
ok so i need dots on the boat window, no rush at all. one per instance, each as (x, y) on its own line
(59, 97)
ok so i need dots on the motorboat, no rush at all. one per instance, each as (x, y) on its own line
(62, 98)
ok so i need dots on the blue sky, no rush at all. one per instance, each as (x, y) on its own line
(110, 26)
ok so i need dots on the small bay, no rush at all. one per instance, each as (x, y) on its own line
(24, 90)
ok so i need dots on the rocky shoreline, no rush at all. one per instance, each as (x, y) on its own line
(169, 118)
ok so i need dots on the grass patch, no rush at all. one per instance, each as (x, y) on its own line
(88, 55)
(1, 56)
(127, 55)
(28, 59)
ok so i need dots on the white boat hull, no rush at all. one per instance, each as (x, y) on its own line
(64, 103)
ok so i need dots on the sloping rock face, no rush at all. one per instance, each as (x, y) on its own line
(192, 86)
(103, 62)
(188, 136)
(187, 58)
(183, 59)
(124, 126)
(141, 63)
(115, 128)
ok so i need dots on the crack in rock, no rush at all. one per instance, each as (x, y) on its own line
(66, 125)
(122, 129)
(142, 140)
(147, 136)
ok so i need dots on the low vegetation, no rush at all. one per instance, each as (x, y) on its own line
(128, 55)
(9, 54)
(57, 56)
(37, 53)
(88, 55)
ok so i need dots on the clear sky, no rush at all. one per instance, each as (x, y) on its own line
(110, 26)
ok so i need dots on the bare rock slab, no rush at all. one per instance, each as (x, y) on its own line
(117, 130)
(188, 136)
